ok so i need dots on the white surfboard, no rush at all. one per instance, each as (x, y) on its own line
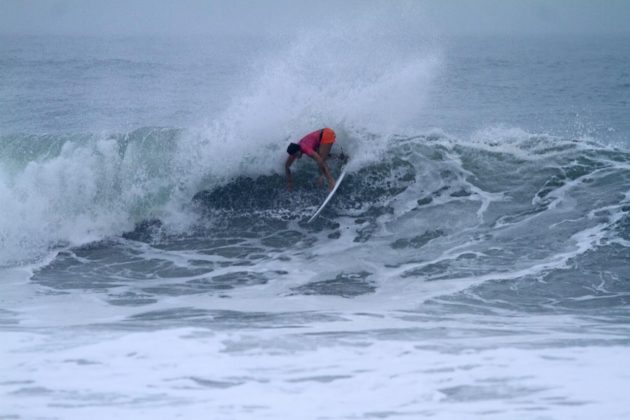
(330, 195)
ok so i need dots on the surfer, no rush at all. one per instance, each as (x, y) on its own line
(317, 145)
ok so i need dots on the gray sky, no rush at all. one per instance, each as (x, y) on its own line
(186, 17)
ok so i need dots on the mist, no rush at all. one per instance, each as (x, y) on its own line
(193, 17)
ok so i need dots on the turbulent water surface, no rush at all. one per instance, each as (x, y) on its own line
(473, 264)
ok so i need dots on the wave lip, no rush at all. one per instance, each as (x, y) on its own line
(75, 189)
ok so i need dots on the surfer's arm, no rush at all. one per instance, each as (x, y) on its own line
(287, 170)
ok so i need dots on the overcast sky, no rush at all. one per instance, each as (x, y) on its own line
(186, 17)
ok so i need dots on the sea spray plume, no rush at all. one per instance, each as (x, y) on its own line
(365, 71)
(351, 73)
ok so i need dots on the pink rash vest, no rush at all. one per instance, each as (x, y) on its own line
(310, 142)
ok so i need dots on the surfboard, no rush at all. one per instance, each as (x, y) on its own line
(328, 197)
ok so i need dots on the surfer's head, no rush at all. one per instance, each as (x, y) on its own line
(293, 149)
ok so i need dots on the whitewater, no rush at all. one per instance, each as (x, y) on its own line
(473, 264)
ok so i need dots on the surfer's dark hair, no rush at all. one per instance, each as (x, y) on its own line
(293, 148)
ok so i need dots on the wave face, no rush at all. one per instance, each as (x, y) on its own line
(505, 204)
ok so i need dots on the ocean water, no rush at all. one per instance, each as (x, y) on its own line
(473, 264)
